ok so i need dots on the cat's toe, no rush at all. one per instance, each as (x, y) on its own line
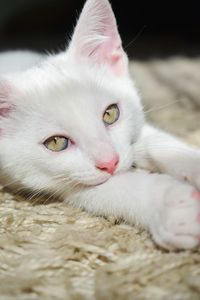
(170, 241)
(178, 222)
(181, 236)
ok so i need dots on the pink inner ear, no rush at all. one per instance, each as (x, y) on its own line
(5, 104)
(112, 53)
(96, 36)
(4, 111)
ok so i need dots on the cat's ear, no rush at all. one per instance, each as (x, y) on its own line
(96, 37)
(6, 105)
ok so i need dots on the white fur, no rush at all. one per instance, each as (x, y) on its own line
(67, 94)
(17, 61)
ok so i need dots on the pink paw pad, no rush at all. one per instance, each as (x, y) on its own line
(196, 195)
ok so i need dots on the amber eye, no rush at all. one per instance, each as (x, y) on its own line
(57, 143)
(111, 115)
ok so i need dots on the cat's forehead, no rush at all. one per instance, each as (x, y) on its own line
(72, 85)
(64, 89)
(71, 94)
(65, 101)
(66, 104)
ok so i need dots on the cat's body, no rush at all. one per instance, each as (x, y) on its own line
(72, 125)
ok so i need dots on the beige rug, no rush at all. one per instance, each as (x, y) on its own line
(52, 251)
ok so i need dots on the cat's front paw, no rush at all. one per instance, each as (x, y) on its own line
(177, 222)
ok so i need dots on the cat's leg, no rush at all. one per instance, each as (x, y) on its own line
(170, 209)
(161, 152)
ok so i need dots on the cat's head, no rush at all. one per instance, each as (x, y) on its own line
(73, 120)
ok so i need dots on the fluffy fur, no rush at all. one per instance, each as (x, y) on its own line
(67, 94)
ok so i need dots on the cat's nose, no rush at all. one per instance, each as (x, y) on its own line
(108, 166)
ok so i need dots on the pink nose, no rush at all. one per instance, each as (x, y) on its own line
(108, 166)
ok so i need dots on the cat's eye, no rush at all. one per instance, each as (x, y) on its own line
(57, 143)
(111, 114)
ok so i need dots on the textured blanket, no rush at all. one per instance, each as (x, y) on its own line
(52, 251)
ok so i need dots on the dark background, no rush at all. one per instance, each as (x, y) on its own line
(148, 29)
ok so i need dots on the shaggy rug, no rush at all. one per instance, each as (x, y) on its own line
(52, 251)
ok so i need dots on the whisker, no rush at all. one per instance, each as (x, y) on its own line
(136, 37)
(35, 194)
(9, 183)
(161, 107)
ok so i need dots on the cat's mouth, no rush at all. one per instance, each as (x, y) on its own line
(96, 182)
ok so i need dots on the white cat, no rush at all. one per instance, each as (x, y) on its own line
(72, 125)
